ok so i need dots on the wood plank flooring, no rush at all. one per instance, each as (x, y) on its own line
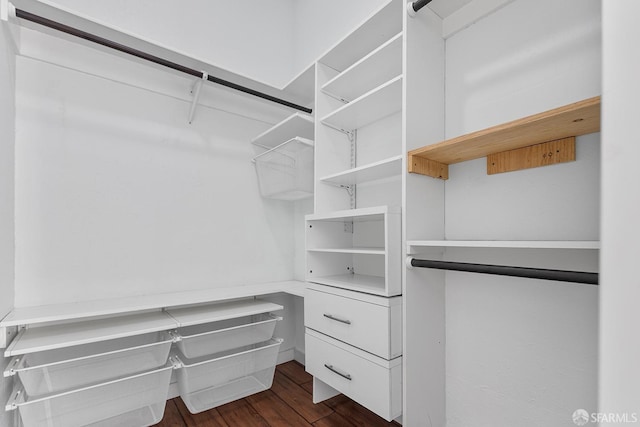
(287, 403)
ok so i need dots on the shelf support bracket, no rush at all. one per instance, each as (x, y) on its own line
(428, 167)
(195, 90)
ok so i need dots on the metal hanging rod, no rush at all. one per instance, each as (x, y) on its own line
(412, 8)
(503, 270)
(151, 58)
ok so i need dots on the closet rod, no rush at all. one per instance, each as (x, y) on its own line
(503, 270)
(417, 5)
(151, 58)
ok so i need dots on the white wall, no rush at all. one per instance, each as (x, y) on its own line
(7, 138)
(318, 25)
(254, 39)
(117, 195)
(522, 352)
(620, 287)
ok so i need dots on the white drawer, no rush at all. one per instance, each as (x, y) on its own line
(374, 325)
(373, 382)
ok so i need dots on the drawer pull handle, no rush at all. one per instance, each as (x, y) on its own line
(346, 322)
(335, 371)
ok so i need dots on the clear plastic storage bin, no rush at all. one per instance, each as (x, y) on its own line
(134, 401)
(199, 340)
(63, 369)
(285, 172)
(212, 381)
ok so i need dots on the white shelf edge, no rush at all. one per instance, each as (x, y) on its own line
(66, 335)
(357, 282)
(515, 244)
(72, 311)
(304, 141)
(356, 103)
(188, 316)
(325, 87)
(297, 116)
(362, 251)
(351, 213)
(335, 177)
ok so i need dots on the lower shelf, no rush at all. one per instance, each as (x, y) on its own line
(357, 282)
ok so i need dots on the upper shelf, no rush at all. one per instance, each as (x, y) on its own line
(379, 66)
(374, 105)
(297, 124)
(571, 120)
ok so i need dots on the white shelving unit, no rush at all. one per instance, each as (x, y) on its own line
(374, 105)
(381, 65)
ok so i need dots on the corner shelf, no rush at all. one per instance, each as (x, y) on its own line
(374, 105)
(379, 170)
(298, 124)
(413, 245)
(379, 66)
(571, 120)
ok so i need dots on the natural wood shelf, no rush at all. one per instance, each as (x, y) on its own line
(571, 120)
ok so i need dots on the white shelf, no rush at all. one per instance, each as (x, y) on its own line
(358, 282)
(298, 124)
(379, 66)
(374, 105)
(379, 170)
(65, 335)
(362, 251)
(414, 245)
(188, 316)
(379, 27)
(70, 311)
(361, 214)
(295, 91)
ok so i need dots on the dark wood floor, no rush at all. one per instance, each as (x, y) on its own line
(287, 403)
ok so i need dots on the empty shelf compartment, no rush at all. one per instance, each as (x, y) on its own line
(72, 367)
(211, 381)
(200, 340)
(133, 401)
(286, 171)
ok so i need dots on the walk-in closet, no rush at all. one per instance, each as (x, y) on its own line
(319, 213)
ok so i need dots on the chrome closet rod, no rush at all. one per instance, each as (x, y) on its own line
(151, 58)
(504, 270)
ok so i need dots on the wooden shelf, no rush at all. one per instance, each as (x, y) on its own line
(413, 246)
(571, 120)
(374, 105)
(108, 307)
(379, 170)
(379, 66)
(296, 125)
(188, 316)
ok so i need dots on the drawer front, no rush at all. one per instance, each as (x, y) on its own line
(373, 386)
(371, 327)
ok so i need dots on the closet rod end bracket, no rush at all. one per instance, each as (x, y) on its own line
(7, 10)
